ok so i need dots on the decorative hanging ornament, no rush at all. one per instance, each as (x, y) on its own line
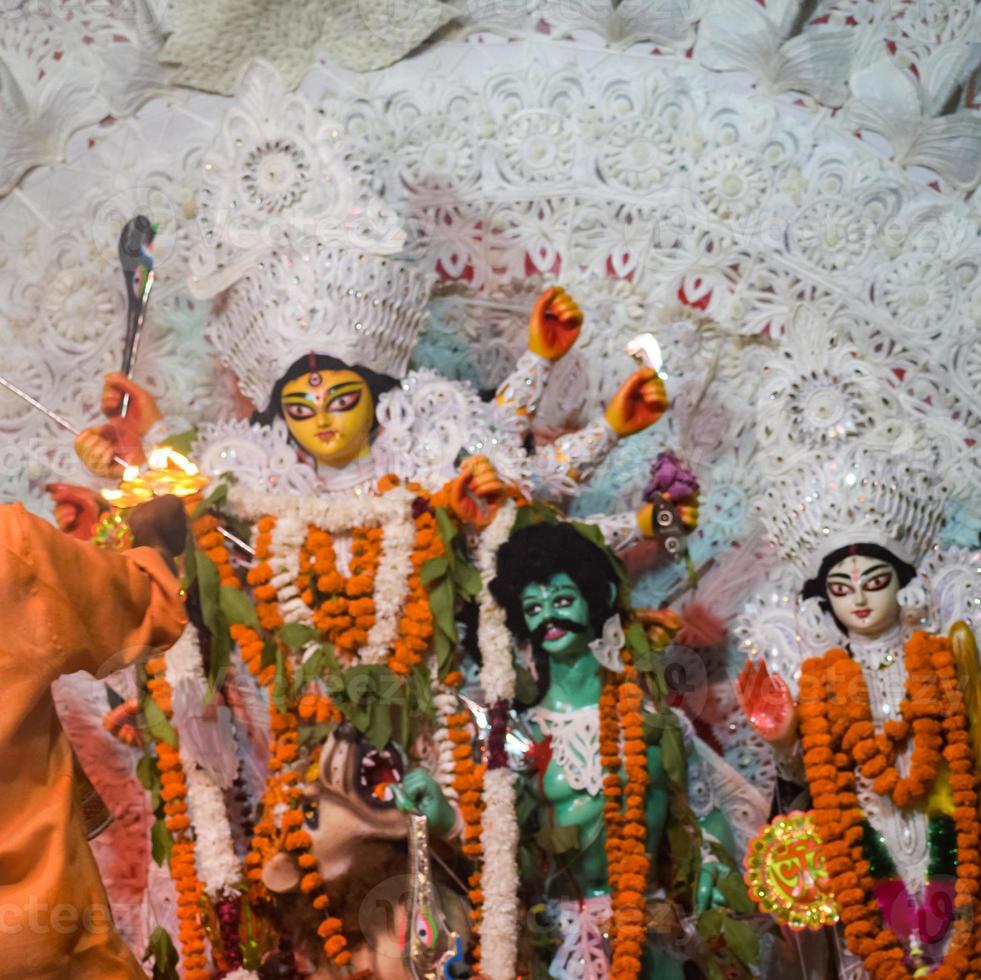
(786, 874)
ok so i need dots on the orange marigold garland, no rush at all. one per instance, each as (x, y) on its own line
(837, 737)
(628, 863)
(468, 781)
(282, 790)
(346, 611)
(416, 625)
(182, 865)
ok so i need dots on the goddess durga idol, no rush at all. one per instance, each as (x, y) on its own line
(357, 482)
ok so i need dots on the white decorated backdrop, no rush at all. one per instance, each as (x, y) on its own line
(702, 169)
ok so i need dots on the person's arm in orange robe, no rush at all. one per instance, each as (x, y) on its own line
(87, 609)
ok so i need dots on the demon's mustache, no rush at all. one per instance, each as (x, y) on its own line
(538, 635)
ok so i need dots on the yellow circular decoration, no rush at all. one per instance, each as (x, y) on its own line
(786, 874)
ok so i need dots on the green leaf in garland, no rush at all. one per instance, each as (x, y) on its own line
(296, 635)
(165, 959)
(157, 724)
(640, 648)
(214, 500)
(442, 602)
(710, 924)
(313, 734)
(268, 658)
(237, 607)
(538, 512)
(182, 442)
(444, 649)
(161, 843)
(467, 580)
(714, 970)
(144, 771)
(190, 562)
(421, 693)
(149, 777)
(733, 890)
(673, 753)
(209, 592)
(433, 569)
(683, 852)
(311, 669)
(447, 529)
(280, 688)
(595, 536)
(741, 940)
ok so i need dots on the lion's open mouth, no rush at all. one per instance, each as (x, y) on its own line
(378, 771)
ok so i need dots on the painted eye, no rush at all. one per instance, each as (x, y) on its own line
(879, 582)
(563, 602)
(533, 610)
(344, 402)
(300, 412)
(839, 588)
(425, 930)
(311, 814)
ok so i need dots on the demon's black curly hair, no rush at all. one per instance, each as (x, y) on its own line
(817, 587)
(377, 383)
(537, 552)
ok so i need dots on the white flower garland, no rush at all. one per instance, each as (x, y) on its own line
(284, 559)
(499, 834)
(242, 974)
(447, 703)
(497, 672)
(499, 824)
(218, 866)
(338, 514)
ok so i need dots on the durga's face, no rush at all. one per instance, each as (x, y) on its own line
(330, 413)
(863, 593)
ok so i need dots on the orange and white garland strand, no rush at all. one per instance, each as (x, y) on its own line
(622, 744)
(499, 825)
(338, 514)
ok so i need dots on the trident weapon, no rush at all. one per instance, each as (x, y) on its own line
(135, 245)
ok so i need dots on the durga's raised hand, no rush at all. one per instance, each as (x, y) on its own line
(640, 402)
(76, 509)
(122, 436)
(477, 491)
(768, 704)
(554, 324)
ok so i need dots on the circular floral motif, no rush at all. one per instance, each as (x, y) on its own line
(831, 234)
(919, 294)
(538, 146)
(732, 182)
(819, 408)
(79, 309)
(437, 159)
(276, 174)
(636, 154)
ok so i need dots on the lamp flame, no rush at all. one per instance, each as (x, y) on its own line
(167, 472)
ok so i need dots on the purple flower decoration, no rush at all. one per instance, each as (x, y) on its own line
(669, 478)
(497, 757)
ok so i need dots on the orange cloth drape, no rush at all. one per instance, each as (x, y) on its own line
(64, 606)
